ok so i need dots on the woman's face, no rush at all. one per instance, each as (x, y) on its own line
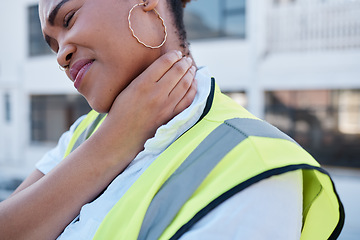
(92, 38)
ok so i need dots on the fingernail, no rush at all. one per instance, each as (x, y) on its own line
(179, 53)
(193, 70)
(189, 60)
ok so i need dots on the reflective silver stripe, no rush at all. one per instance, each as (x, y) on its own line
(88, 131)
(253, 127)
(187, 178)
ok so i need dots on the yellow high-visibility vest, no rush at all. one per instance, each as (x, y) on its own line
(226, 151)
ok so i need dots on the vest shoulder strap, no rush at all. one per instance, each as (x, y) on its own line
(191, 173)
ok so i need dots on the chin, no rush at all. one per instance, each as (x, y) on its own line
(98, 106)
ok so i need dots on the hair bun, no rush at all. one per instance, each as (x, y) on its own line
(184, 2)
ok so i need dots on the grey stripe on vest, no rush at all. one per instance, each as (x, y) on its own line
(187, 178)
(88, 131)
(261, 129)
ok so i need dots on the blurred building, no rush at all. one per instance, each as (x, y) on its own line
(295, 63)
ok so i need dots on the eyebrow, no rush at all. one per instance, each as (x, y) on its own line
(54, 12)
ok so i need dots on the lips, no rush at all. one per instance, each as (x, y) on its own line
(78, 71)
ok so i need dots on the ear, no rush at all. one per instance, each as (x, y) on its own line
(150, 5)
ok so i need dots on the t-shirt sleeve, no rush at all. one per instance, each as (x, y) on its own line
(269, 209)
(53, 157)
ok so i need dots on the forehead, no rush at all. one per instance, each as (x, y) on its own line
(45, 8)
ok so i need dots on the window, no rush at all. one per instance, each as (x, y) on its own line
(283, 2)
(51, 115)
(239, 97)
(349, 111)
(37, 44)
(215, 18)
(7, 108)
(324, 122)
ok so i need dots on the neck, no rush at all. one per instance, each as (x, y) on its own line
(174, 41)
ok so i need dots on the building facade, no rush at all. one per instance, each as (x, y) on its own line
(295, 63)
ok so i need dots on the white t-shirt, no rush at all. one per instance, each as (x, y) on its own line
(269, 209)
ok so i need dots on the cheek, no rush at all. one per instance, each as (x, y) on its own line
(119, 57)
(100, 20)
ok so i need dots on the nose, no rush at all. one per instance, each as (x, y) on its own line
(65, 54)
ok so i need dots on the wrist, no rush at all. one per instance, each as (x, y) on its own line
(118, 140)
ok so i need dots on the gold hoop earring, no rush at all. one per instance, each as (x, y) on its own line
(132, 30)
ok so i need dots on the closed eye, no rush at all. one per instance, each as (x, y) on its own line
(68, 18)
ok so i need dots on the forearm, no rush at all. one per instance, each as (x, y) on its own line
(32, 178)
(43, 209)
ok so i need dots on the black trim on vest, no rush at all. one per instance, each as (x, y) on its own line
(249, 182)
(209, 100)
(340, 225)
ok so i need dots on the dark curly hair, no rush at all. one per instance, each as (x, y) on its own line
(184, 2)
(177, 8)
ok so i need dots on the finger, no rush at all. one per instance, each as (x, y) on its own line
(180, 94)
(183, 85)
(175, 74)
(161, 65)
(188, 98)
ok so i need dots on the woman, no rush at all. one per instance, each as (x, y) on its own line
(166, 88)
(213, 172)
